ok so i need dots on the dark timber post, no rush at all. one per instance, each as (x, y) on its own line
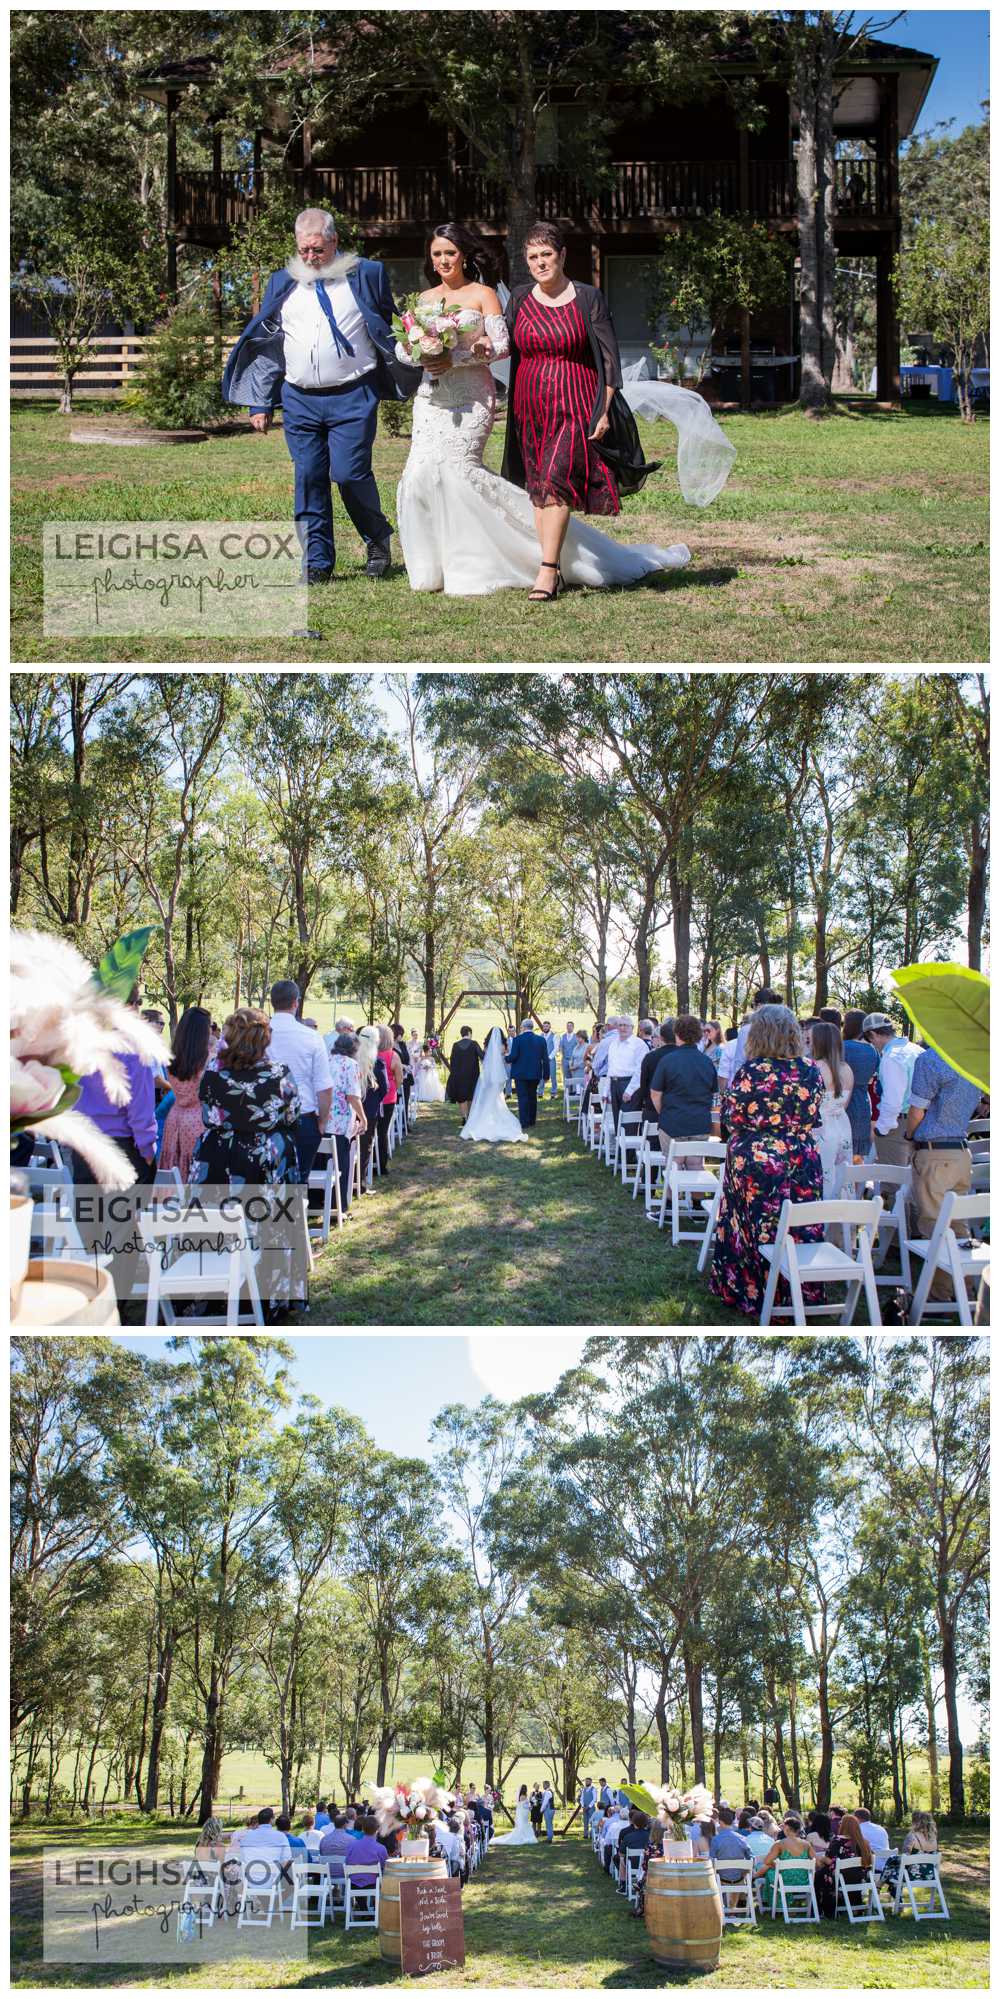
(172, 194)
(744, 312)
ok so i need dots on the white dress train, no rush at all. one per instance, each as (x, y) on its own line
(833, 1140)
(522, 1834)
(488, 1116)
(465, 530)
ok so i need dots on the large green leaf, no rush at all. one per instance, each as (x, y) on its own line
(119, 968)
(637, 1794)
(949, 1006)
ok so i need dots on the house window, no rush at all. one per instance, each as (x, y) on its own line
(406, 274)
(626, 293)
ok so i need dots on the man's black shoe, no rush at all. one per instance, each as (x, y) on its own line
(319, 576)
(379, 559)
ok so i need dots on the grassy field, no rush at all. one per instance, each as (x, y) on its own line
(862, 537)
(548, 1917)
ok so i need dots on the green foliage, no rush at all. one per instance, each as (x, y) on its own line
(79, 279)
(264, 243)
(979, 1790)
(120, 968)
(712, 269)
(942, 281)
(179, 385)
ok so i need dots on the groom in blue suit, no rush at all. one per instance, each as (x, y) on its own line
(322, 346)
(528, 1058)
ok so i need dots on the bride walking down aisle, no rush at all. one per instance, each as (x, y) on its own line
(488, 1116)
(466, 530)
(522, 1834)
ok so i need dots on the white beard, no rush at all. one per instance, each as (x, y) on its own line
(308, 274)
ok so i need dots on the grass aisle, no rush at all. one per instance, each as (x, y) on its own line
(859, 538)
(547, 1917)
(519, 1235)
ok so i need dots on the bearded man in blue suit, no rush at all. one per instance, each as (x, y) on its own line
(322, 346)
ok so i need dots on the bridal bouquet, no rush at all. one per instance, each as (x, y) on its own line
(673, 1808)
(427, 330)
(414, 1806)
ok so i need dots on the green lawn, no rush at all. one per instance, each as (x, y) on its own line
(861, 537)
(548, 1917)
(518, 1235)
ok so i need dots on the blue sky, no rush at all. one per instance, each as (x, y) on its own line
(960, 38)
(397, 1383)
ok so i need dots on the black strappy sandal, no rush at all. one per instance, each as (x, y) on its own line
(537, 596)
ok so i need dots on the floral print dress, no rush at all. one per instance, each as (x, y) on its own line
(248, 1116)
(773, 1109)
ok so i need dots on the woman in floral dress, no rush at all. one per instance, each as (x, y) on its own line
(773, 1107)
(249, 1105)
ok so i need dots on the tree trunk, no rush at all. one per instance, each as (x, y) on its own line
(161, 1689)
(681, 898)
(692, 1675)
(956, 1753)
(932, 1744)
(824, 1775)
(662, 1730)
(977, 900)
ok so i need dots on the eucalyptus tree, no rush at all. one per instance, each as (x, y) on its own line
(924, 1405)
(481, 1450)
(442, 781)
(685, 1410)
(392, 1551)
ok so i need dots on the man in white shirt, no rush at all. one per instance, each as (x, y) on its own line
(897, 1059)
(322, 345)
(264, 1842)
(550, 1043)
(877, 1837)
(303, 1051)
(624, 1057)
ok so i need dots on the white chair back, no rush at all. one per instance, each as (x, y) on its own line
(735, 1879)
(795, 1897)
(859, 1898)
(954, 1250)
(920, 1874)
(821, 1262)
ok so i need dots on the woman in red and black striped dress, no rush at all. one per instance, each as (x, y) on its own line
(565, 369)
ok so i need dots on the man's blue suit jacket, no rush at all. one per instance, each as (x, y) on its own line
(529, 1059)
(255, 369)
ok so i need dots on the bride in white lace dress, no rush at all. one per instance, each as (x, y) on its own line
(463, 529)
(522, 1834)
(488, 1116)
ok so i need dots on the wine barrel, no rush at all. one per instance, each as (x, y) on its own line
(684, 1914)
(393, 1873)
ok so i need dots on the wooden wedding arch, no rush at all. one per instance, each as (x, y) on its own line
(511, 1004)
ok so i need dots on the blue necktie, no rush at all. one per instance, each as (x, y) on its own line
(340, 340)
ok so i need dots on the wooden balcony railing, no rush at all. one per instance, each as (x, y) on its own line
(635, 192)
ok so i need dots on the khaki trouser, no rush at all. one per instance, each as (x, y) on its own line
(936, 1174)
(892, 1148)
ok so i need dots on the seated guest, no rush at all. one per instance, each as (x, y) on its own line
(818, 1832)
(335, 1844)
(211, 1843)
(921, 1838)
(182, 1126)
(250, 1109)
(773, 1110)
(615, 1821)
(322, 1816)
(701, 1833)
(848, 1844)
(728, 1844)
(298, 1846)
(757, 1838)
(449, 1842)
(311, 1837)
(638, 1098)
(876, 1835)
(265, 1840)
(367, 1847)
(347, 1111)
(236, 1838)
(683, 1086)
(633, 1838)
(789, 1845)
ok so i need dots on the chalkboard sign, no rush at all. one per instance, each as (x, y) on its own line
(432, 1932)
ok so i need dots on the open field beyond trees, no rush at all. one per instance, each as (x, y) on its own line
(860, 537)
(548, 1917)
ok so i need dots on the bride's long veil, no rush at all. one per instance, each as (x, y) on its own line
(488, 1114)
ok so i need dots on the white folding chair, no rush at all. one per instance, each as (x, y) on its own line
(325, 1179)
(688, 1176)
(60, 1237)
(202, 1891)
(572, 1093)
(649, 1164)
(606, 1148)
(361, 1902)
(633, 1871)
(198, 1272)
(627, 1142)
(860, 1900)
(736, 1885)
(979, 1128)
(310, 1894)
(893, 1183)
(822, 1262)
(919, 1871)
(960, 1256)
(595, 1120)
(260, 1891)
(795, 1897)
(169, 1176)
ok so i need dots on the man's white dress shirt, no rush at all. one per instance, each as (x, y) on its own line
(625, 1056)
(312, 360)
(303, 1051)
(895, 1073)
